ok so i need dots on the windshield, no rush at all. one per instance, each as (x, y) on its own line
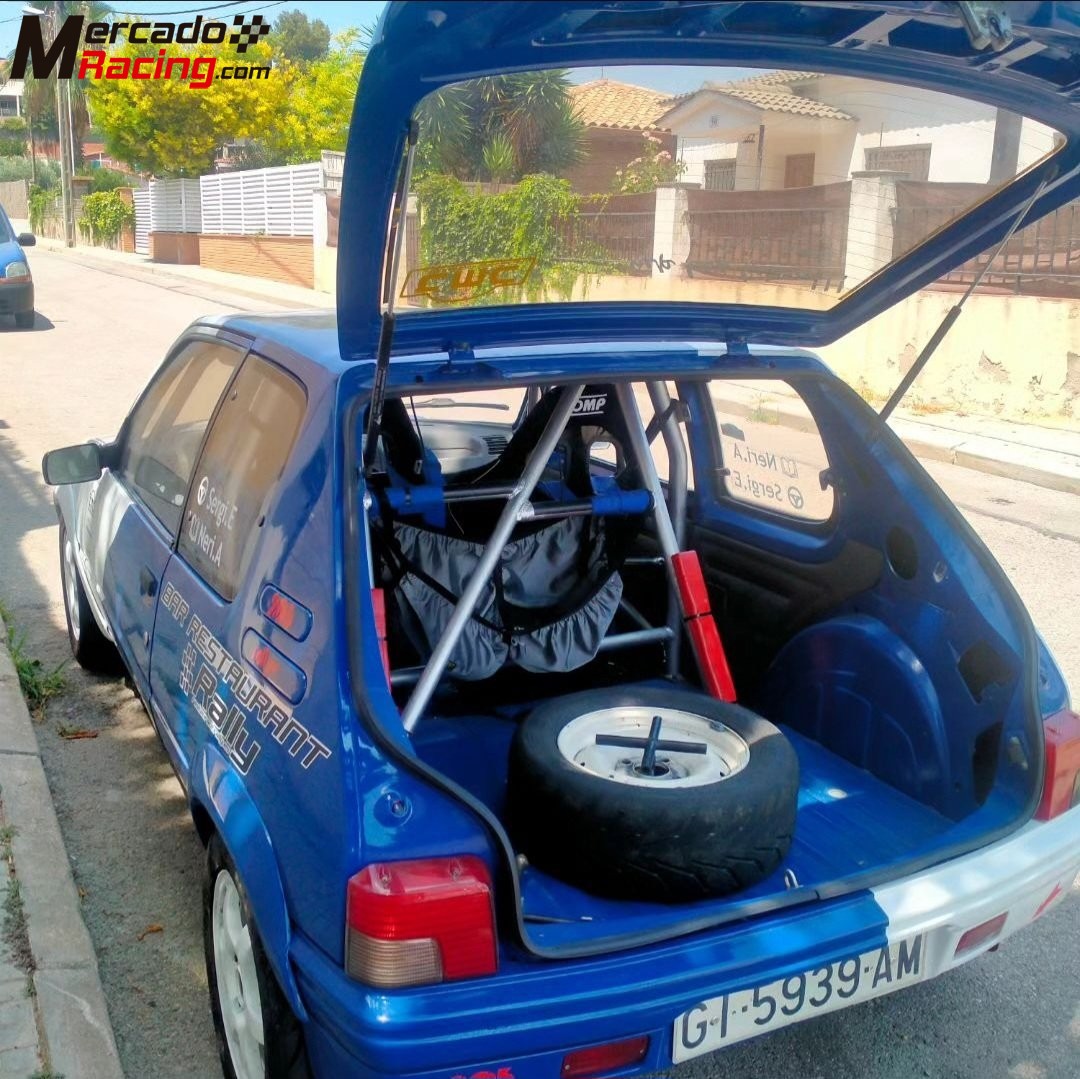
(715, 185)
(6, 231)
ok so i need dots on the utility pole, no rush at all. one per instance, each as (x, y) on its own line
(63, 130)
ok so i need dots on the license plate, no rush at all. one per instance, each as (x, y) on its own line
(722, 1021)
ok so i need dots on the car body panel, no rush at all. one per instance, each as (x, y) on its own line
(421, 46)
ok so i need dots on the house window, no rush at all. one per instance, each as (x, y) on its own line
(9, 106)
(720, 174)
(913, 161)
(799, 170)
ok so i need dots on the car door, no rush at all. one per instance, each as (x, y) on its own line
(133, 512)
(201, 682)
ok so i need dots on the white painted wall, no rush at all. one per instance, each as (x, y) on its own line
(961, 133)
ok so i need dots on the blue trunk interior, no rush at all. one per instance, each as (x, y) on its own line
(849, 823)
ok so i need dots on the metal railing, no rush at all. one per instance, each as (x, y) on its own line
(1042, 259)
(805, 244)
(623, 238)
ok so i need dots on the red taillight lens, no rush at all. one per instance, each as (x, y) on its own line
(973, 938)
(604, 1058)
(1061, 784)
(418, 922)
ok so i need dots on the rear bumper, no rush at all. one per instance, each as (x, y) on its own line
(534, 1012)
(15, 298)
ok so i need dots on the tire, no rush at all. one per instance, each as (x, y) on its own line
(690, 833)
(24, 320)
(247, 983)
(90, 647)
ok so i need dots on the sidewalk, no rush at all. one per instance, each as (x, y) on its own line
(53, 1019)
(140, 267)
(1047, 457)
(1044, 456)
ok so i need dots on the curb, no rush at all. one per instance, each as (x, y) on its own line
(76, 1036)
(981, 453)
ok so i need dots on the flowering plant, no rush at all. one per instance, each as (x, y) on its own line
(653, 166)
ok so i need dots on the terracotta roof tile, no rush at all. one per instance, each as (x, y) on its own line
(607, 103)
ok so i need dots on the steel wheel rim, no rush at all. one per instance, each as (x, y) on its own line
(726, 752)
(71, 587)
(237, 981)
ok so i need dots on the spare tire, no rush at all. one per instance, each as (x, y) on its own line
(691, 825)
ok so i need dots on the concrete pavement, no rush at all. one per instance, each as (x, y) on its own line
(53, 1018)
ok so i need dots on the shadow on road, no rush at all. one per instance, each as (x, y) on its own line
(7, 324)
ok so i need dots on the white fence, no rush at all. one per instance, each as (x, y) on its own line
(142, 221)
(261, 202)
(175, 206)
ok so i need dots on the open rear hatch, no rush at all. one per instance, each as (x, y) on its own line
(548, 297)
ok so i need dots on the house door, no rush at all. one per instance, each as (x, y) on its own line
(799, 170)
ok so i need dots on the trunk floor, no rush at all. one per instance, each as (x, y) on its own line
(848, 822)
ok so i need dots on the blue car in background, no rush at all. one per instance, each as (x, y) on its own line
(545, 707)
(16, 282)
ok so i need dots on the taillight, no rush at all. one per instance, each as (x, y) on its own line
(598, 1059)
(1061, 784)
(419, 922)
(981, 934)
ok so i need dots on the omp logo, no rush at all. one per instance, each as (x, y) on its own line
(204, 485)
(502, 1073)
(593, 403)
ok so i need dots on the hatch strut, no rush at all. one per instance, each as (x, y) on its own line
(954, 312)
(386, 333)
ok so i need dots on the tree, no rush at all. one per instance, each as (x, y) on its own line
(167, 127)
(298, 38)
(465, 128)
(320, 102)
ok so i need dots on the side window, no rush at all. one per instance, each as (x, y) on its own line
(770, 448)
(163, 434)
(244, 455)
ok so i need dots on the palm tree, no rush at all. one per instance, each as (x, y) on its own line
(39, 95)
(528, 117)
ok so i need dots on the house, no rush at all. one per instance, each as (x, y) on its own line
(11, 98)
(616, 116)
(788, 129)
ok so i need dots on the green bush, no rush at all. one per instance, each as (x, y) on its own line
(105, 215)
(109, 180)
(40, 200)
(533, 220)
(19, 168)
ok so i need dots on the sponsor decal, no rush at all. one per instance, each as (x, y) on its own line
(590, 403)
(460, 281)
(232, 704)
(71, 49)
(205, 524)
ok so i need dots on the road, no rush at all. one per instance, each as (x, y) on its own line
(1012, 1014)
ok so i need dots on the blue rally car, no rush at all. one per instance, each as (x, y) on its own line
(568, 674)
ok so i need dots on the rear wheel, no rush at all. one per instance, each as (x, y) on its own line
(24, 320)
(258, 1035)
(90, 647)
(650, 793)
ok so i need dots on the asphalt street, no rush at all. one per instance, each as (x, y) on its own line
(135, 856)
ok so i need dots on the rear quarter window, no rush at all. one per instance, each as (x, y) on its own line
(771, 452)
(245, 453)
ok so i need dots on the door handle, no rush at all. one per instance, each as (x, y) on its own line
(147, 583)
